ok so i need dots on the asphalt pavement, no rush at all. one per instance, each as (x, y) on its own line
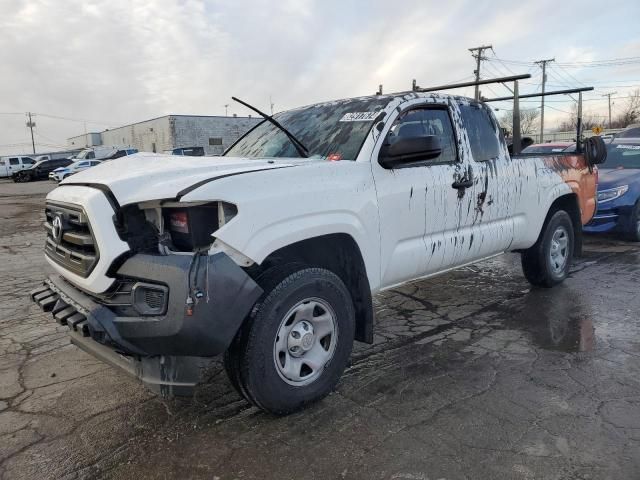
(473, 375)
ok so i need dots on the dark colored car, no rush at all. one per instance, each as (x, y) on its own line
(189, 151)
(40, 170)
(619, 190)
(551, 147)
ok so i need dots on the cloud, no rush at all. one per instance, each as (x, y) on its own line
(117, 62)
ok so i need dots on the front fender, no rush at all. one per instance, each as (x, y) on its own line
(259, 242)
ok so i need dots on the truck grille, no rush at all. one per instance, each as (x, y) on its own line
(70, 242)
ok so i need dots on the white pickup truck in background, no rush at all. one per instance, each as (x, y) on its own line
(14, 163)
(271, 253)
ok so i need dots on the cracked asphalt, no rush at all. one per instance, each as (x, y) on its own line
(472, 375)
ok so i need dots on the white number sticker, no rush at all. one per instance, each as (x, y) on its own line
(359, 116)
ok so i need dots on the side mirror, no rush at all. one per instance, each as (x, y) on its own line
(399, 151)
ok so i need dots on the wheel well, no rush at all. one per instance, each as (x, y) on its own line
(569, 203)
(339, 254)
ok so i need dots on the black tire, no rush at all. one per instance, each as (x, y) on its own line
(634, 235)
(595, 150)
(268, 280)
(250, 360)
(537, 264)
(21, 178)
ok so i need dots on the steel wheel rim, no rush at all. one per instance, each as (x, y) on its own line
(559, 251)
(305, 342)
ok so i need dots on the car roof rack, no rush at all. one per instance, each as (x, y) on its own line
(517, 136)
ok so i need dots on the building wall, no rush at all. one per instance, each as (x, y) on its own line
(93, 139)
(215, 134)
(149, 136)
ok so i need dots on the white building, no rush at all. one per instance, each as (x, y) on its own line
(215, 134)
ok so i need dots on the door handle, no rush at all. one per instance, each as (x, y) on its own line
(462, 183)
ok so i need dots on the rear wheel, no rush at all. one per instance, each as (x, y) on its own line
(296, 344)
(547, 262)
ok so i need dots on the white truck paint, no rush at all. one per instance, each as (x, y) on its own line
(465, 201)
(395, 216)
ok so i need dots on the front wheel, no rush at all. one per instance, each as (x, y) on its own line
(547, 262)
(21, 178)
(296, 344)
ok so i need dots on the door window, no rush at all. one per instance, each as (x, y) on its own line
(483, 132)
(428, 121)
(28, 161)
(14, 161)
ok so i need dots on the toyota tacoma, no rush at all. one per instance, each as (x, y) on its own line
(270, 254)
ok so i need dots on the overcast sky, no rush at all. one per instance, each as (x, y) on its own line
(105, 64)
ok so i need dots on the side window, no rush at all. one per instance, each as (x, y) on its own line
(14, 161)
(90, 155)
(28, 161)
(483, 132)
(428, 121)
(83, 164)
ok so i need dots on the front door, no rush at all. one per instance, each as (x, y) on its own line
(14, 165)
(417, 202)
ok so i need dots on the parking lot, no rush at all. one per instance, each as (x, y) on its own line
(472, 375)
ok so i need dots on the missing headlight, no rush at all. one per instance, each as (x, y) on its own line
(191, 227)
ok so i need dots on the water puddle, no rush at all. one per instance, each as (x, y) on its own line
(557, 319)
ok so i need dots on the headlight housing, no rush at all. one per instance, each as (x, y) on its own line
(612, 193)
(191, 227)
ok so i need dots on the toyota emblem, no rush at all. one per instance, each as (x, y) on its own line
(57, 229)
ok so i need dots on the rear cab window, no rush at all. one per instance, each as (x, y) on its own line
(485, 136)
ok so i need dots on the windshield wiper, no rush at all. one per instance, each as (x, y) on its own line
(302, 150)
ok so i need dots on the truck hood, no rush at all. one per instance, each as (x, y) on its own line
(150, 176)
(611, 178)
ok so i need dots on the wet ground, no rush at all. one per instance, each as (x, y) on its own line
(473, 375)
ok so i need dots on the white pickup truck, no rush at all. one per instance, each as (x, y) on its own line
(270, 254)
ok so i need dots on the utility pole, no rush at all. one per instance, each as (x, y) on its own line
(478, 56)
(271, 104)
(543, 64)
(31, 124)
(608, 95)
(226, 109)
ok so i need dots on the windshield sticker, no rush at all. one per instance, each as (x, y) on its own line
(359, 116)
(628, 147)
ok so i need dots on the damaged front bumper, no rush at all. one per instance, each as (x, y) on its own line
(162, 351)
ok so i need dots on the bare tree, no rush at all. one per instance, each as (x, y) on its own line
(589, 120)
(528, 121)
(630, 111)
